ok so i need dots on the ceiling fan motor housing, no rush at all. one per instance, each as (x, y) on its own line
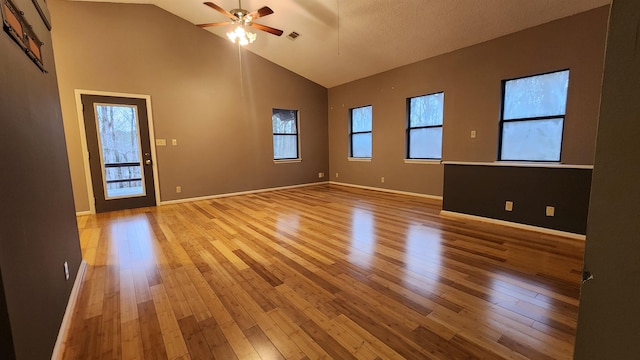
(242, 15)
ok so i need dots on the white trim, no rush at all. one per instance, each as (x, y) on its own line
(58, 349)
(209, 197)
(423, 161)
(286, 161)
(520, 164)
(428, 196)
(298, 136)
(454, 214)
(82, 213)
(85, 149)
(359, 159)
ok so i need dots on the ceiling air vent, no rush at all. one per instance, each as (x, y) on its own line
(294, 35)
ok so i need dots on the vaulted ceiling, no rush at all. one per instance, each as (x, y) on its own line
(345, 40)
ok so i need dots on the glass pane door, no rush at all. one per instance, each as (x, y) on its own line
(120, 150)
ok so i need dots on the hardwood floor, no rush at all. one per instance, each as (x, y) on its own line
(320, 272)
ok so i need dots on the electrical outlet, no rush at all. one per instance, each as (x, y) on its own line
(66, 270)
(320, 175)
(337, 175)
(178, 189)
(473, 134)
(382, 179)
(550, 211)
(174, 142)
(508, 205)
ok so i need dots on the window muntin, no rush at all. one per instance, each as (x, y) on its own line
(424, 126)
(533, 111)
(285, 134)
(360, 132)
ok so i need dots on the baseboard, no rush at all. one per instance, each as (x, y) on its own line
(68, 313)
(209, 197)
(539, 229)
(433, 197)
(81, 213)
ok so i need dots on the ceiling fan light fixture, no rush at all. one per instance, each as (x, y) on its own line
(241, 19)
(241, 36)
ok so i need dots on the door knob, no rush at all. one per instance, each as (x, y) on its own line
(147, 162)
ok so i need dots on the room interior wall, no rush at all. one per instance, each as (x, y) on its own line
(6, 339)
(222, 125)
(607, 317)
(471, 80)
(38, 230)
(483, 190)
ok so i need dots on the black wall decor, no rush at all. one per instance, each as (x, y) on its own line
(43, 11)
(21, 32)
(12, 23)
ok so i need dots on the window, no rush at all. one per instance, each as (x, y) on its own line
(360, 133)
(424, 126)
(285, 134)
(533, 110)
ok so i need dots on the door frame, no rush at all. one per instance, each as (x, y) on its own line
(85, 148)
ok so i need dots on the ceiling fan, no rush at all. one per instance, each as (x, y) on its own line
(242, 18)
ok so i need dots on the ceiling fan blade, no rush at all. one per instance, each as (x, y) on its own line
(214, 24)
(221, 10)
(268, 29)
(262, 12)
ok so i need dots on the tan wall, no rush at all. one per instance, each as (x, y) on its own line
(223, 129)
(471, 80)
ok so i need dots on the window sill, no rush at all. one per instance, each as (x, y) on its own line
(423, 161)
(359, 159)
(287, 161)
(521, 164)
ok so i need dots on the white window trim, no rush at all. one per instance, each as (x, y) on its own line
(521, 164)
(359, 159)
(298, 135)
(530, 119)
(423, 161)
(362, 159)
(285, 161)
(408, 136)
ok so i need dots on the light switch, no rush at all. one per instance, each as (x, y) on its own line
(161, 142)
(174, 142)
(473, 134)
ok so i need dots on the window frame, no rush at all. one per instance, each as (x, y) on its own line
(534, 118)
(297, 136)
(409, 128)
(351, 132)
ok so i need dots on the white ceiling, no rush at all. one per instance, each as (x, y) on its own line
(345, 40)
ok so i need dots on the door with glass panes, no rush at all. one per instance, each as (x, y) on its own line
(118, 141)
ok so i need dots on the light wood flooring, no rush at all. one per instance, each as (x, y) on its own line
(320, 272)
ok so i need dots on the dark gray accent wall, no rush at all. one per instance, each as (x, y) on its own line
(6, 339)
(38, 230)
(609, 314)
(483, 190)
